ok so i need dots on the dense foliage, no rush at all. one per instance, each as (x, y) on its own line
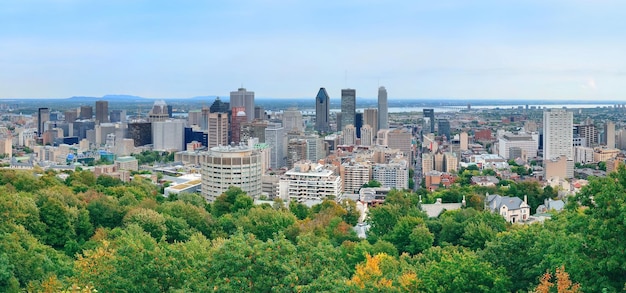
(86, 233)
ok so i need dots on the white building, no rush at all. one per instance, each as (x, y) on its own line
(367, 135)
(527, 142)
(557, 134)
(168, 135)
(315, 145)
(227, 166)
(275, 138)
(292, 120)
(513, 209)
(349, 135)
(583, 155)
(309, 182)
(354, 175)
(392, 175)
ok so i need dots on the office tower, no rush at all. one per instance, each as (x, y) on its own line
(227, 166)
(400, 138)
(158, 112)
(219, 107)
(43, 116)
(463, 141)
(370, 117)
(217, 129)
(349, 135)
(292, 120)
(170, 111)
(117, 116)
(444, 128)
(339, 121)
(194, 117)
(204, 119)
(358, 120)
(238, 117)
(102, 112)
(86, 112)
(367, 135)
(430, 114)
(557, 133)
(383, 116)
(139, 132)
(275, 138)
(243, 98)
(322, 111)
(168, 135)
(70, 116)
(54, 116)
(296, 151)
(259, 113)
(348, 107)
(609, 134)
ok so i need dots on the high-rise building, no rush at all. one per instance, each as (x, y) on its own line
(349, 135)
(158, 112)
(348, 107)
(43, 116)
(70, 116)
(463, 141)
(227, 166)
(102, 112)
(219, 107)
(452, 162)
(168, 135)
(354, 175)
(401, 138)
(86, 112)
(589, 133)
(392, 175)
(259, 113)
(383, 122)
(243, 98)
(139, 132)
(275, 138)
(358, 123)
(238, 117)
(296, 151)
(322, 111)
(217, 128)
(315, 145)
(609, 134)
(370, 117)
(339, 121)
(367, 135)
(557, 134)
(444, 128)
(430, 114)
(292, 120)
(117, 116)
(253, 129)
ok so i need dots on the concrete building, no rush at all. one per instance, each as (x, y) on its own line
(296, 151)
(86, 112)
(367, 135)
(558, 167)
(117, 116)
(292, 120)
(609, 134)
(238, 117)
(583, 155)
(604, 154)
(589, 133)
(348, 107)
(451, 162)
(70, 116)
(528, 143)
(349, 135)
(227, 166)
(401, 138)
(217, 129)
(315, 147)
(439, 162)
(354, 175)
(275, 138)
(168, 135)
(463, 141)
(102, 112)
(392, 175)
(383, 122)
(428, 163)
(253, 129)
(370, 117)
(127, 163)
(309, 182)
(557, 137)
(159, 112)
(259, 113)
(243, 98)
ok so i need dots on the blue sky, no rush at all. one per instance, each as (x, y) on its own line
(562, 49)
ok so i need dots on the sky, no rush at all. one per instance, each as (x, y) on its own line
(440, 49)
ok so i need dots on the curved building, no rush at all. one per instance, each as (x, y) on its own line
(227, 166)
(322, 110)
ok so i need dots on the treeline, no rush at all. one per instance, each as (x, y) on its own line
(83, 233)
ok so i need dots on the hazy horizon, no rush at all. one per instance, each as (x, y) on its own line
(531, 50)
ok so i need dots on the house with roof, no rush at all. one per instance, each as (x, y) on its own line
(513, 209)
(551, 205)
(437, 208)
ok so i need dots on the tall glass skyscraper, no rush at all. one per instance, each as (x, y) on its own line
(348, 107)
(383, 118)
(322, 111)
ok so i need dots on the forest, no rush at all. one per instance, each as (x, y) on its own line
(72, 232)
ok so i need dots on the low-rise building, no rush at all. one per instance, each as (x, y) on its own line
(309, 181)
(513, 209)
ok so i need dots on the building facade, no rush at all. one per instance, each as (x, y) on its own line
(322, 111)
(383, 116)
(348, 107)
(309, 182)
(227, 166)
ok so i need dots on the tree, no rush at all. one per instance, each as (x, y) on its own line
(372, 183)
(265, 223)
(563, 283)
(149, 220)
(231, 201)
(56, 217)
(301, 211)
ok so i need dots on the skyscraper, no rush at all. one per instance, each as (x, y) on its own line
(243, 98)
(292, 120)
(383, 122)
(236, 119)
(430, 114)
(444, 128)
(370, 117)
(86, 112)
(102, 112)
(609, 134)
(275, 138)
(557, 134)
(348, 107)
(217, 125)
(358, 123)
(43, 116)
(322, 103)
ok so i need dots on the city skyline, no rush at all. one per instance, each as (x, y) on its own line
(535, 50)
